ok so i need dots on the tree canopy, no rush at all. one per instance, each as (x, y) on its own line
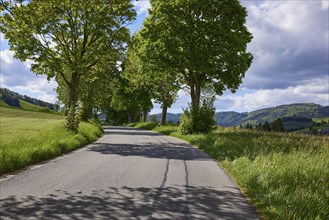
(205, 42)
(68, 39)
(161, 84)
(199, 45)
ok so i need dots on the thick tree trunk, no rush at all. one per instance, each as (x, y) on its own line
(145, 111)
(72, 122)
(195, 87)
(195, 92)
(164, 113)
(129, 117)
(72, 119)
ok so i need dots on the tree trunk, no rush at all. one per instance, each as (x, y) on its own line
(164, 113)
(195, 87)
(195, 92)
(129, 117)
(145, 111)
(72, 122)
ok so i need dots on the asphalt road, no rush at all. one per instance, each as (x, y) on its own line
(126, 174)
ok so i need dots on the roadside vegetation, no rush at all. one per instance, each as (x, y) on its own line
(285, 175)
(28, 137)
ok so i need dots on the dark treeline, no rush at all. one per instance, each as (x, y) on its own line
(12, 99)
(276, 125)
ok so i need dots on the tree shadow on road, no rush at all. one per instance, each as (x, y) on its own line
(109, 130)
(130, 203)
(178, 151)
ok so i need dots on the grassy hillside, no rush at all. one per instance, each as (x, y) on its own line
(309, 110)
(28, 137)
(286, 176)
(29, 106)
(3, 104)
(229, 118)
(319, 120)
(26, 106)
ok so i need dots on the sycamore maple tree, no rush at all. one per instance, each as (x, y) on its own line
(205, 42)
(68, 40)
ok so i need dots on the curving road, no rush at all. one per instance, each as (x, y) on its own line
(126, 174)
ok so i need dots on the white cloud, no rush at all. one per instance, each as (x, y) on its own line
(142, 6)
(16, 76)
(1, 80)
(7, 57)
(315, 91)
(290, 43)
(325, 5)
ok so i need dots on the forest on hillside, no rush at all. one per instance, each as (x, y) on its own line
(12, 98)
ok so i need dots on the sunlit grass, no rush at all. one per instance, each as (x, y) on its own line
(29, 106)
(286, 176)
(30, 137)
(143, 125)
(326, 119)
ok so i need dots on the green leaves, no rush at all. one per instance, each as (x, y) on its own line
(208, 38)
(68, 40)
(202, 42)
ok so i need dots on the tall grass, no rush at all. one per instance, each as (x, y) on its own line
(286, 176)
(30, 137)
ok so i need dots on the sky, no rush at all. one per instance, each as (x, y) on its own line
(291, 59)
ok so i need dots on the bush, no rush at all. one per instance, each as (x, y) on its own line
(198, 120)
(95, 121)
(186, 124)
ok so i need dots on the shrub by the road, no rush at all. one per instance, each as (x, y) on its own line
(198, 121)
(286, 176)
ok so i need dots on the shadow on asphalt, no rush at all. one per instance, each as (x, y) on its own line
(128, 203)
(109, 130)
(177, 151)
(140, 133)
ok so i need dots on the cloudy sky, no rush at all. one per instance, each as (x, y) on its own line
(291, 59)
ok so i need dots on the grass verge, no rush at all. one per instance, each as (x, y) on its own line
(30, 137)
(286, 176)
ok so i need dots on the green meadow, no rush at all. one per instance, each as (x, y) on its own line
(28, 137)
(326, 119)
(285, 175)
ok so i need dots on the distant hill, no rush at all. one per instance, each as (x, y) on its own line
(294, 123)
(308, 110)
(227, 119)
(13, 99)
(173, 118)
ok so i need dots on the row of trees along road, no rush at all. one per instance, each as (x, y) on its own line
(183, 44)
